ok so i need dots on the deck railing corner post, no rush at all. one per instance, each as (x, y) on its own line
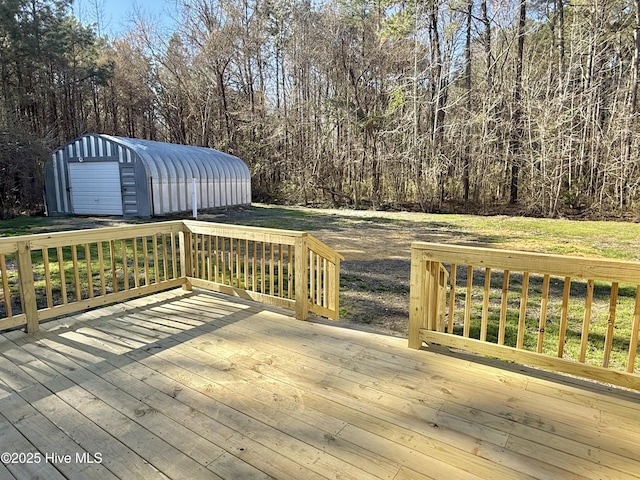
(301, 277)
(337, 288)
(416, 297)
(27, 286)
(186, 254)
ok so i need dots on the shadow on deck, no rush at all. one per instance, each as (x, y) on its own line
(204, 385)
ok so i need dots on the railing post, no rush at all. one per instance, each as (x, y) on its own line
(336, 288)
(186, 269)
(27, 287)
(417, 293)
(302, 277)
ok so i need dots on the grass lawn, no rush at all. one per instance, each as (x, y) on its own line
(375, 273)
(608, 239)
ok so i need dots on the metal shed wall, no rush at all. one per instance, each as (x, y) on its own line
(155, 178)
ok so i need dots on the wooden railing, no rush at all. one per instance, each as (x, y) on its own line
(324, 278)
(48, 275)
(279, 267)
(568, 314)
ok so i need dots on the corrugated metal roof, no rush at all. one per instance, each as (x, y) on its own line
(184, 160)
(222, 179)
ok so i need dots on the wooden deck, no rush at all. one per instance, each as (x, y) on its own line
(202, 385)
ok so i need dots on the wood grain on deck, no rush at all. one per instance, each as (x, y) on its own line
(202, 385)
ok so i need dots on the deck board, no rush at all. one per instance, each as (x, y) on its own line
(209, 386)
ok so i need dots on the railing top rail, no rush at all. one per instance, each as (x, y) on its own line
(8, 246)
(274, 235)
(563, 265)
(324, 250)
(55, 239)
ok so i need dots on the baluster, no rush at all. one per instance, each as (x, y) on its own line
(485, 304)
(584, 339)
(523, 310)
(503, 307)
(467, 302)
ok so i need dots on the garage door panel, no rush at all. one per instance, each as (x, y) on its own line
(95, 188)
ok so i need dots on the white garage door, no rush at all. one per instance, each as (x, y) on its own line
(95, 188)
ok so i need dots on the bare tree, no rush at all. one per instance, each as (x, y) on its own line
(515, 144)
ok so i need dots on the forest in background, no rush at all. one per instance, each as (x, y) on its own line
(527, 106)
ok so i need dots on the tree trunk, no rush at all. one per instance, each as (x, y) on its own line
(467, 86)
(633, 114)
(561, 41)
(516, 119)
(487, 45)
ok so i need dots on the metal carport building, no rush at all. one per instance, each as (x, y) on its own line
(105, 175)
